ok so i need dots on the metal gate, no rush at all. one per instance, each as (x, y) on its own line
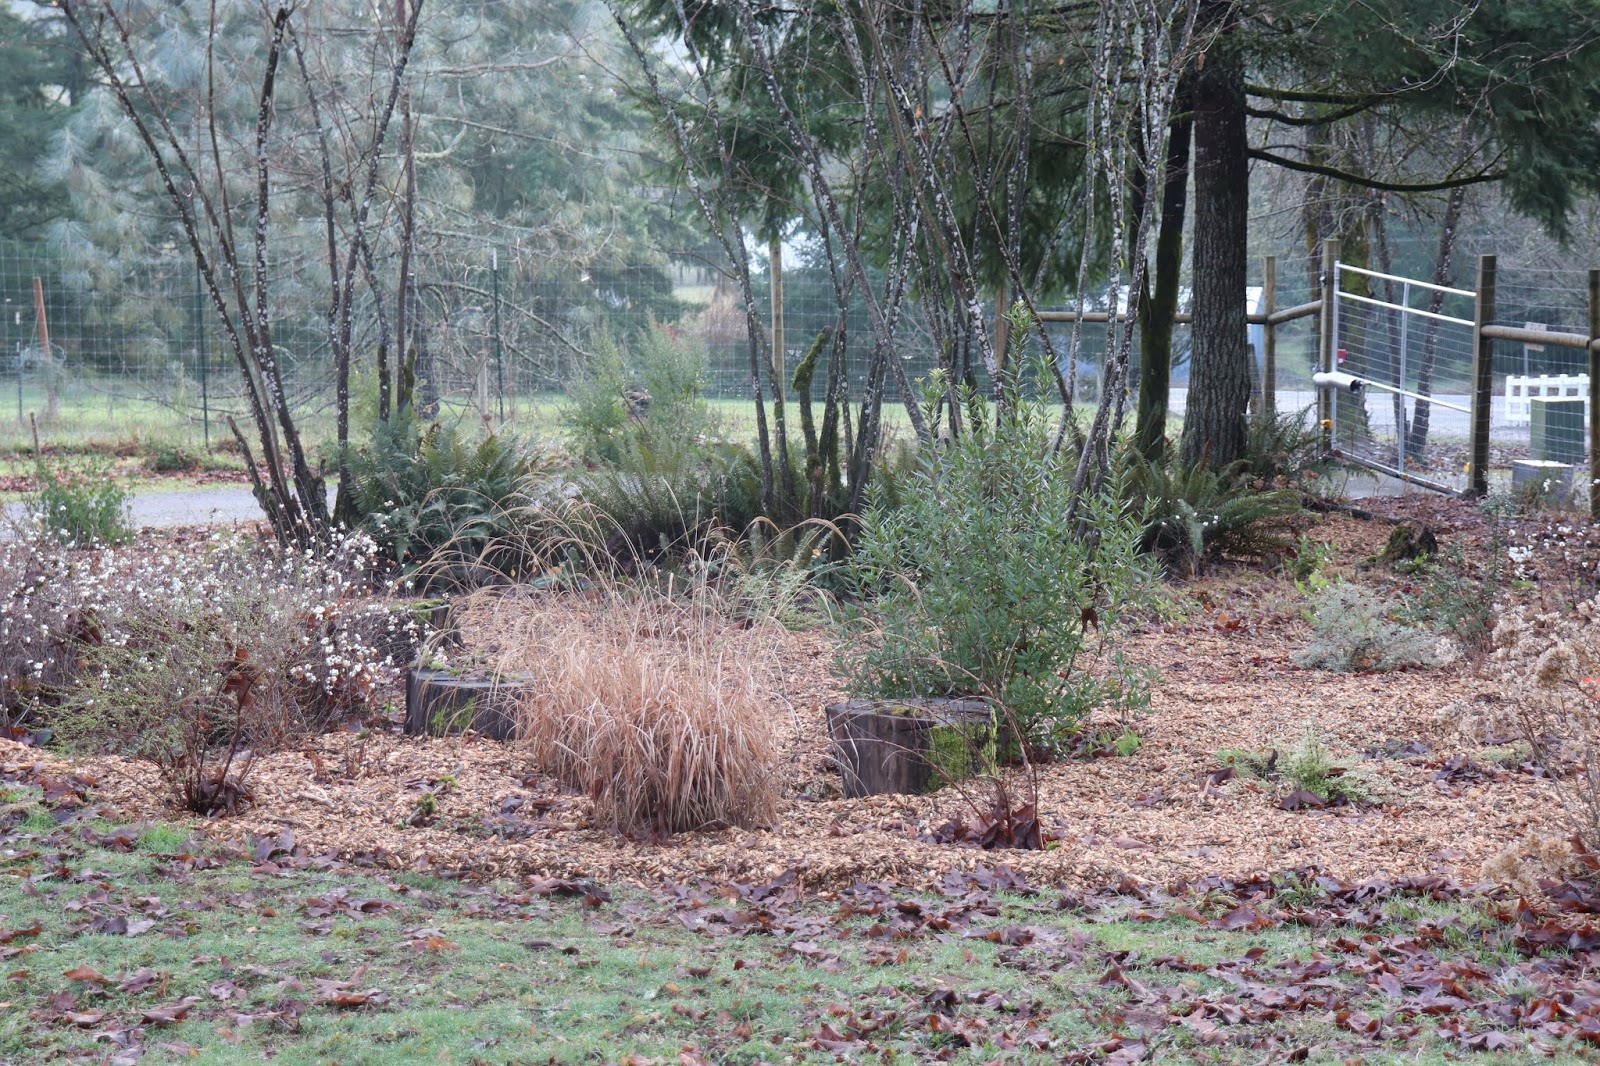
(1402, 378)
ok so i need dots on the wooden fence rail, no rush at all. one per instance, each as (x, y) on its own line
(1485, 332)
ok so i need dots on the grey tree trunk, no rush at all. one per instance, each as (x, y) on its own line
(1214, 426)
(1160, 304)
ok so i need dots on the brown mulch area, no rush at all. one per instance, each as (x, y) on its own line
(1227, 681)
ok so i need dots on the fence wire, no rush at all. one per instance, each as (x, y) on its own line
(139, 357)
(1539, 433)
(1412, 343)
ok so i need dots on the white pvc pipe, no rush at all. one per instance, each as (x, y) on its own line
(1390, 277)
(1338, 380)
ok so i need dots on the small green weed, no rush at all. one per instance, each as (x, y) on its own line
(80, 507)
(423, 810)
(1507, 756)
(1250, 764)
(1452, 600)
(164, 838)
(1310, 766)
(1307, 564)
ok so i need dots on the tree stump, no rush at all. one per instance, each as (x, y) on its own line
(1408, 542)
(910, 746)
(440, 703)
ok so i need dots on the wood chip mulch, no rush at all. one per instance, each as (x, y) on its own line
(1227, 681)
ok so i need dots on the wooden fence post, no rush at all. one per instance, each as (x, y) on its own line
(52, 402)
(1329, 342)
(1594, 395)
(1269, 339)
(1482, 378)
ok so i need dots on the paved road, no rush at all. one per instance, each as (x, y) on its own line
(1445, 421)
(219, 505)
(213, 505)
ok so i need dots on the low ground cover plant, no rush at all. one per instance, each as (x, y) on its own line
(1354, 630)
(1455, 598)
(168, 458)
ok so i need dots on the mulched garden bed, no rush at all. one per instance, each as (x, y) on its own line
(1163, 814)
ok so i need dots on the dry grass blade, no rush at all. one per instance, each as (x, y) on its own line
(635, 707)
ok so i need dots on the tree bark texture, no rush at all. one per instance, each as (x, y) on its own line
(1157, 310)
(1214, 426)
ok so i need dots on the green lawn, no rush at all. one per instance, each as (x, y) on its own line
(95, 418)
(116, 938)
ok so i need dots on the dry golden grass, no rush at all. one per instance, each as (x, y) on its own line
(635, 705)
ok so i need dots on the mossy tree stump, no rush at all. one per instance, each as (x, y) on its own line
(440, 702)
(1408, 542)
(910, 746)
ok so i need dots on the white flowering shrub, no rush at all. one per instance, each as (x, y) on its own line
(38, 626)
(1551, 665)
(199, 661)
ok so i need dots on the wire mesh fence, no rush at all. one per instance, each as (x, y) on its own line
(139, 356)
(1411, 344)
(1427, 367)
(1542, 399)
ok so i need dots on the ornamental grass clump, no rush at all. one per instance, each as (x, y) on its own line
(640, 704)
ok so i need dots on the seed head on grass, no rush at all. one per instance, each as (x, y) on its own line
(635, 706)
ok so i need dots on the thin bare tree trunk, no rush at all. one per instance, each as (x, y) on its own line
(1421, 411)
(292, 492)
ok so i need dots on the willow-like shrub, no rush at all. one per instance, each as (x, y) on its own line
(981, 582)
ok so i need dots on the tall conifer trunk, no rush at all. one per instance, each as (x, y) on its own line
(1214, 426)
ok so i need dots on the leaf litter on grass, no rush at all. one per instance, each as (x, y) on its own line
(309, 959)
